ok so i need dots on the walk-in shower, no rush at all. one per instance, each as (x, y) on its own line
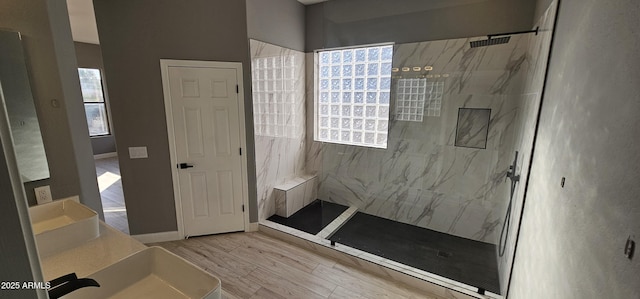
(441, 194)
(434, 198)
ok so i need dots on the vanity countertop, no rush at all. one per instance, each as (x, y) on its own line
(110, 247)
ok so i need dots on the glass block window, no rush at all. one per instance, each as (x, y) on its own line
(410, 98)
(273, 96)
(352, 101)
(416, 98)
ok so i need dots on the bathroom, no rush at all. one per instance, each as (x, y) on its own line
(148, 179)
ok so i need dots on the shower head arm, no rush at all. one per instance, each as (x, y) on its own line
(490, 36)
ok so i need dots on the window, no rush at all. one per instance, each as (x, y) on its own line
(352, 104)
(410, 99)
(94, 105)
(415, 96)
(274, 96)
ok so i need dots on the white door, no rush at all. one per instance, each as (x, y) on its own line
(206, 127)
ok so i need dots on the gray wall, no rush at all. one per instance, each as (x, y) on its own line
(572, 239)
(90, 56)
(134, 36)
(103, 144)
(541, 7)
(279, 22)
(53, 75)
(357, 22)
(313, 28)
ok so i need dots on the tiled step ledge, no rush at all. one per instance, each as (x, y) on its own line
(422, 280)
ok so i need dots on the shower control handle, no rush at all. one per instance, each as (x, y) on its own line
(511, 173)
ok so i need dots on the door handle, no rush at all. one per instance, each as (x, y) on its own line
(184, 165)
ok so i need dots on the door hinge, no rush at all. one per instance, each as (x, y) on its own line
(242, 208)
(237, 88)
(240, 151)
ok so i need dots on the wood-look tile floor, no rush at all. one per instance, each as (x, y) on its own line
(254, 265)
(115, 213)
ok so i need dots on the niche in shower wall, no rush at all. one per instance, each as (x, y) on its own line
(473, 127)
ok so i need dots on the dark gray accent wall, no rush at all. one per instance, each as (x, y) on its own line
(573, 237)
(279, 22)
(314, 30)
(358, 22)
(134, 36)
(53, 75)
(90, 56)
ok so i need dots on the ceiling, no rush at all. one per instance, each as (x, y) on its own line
(83, 20)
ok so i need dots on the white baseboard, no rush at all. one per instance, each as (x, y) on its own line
(253, 227)
(105, 155)
(157, 237)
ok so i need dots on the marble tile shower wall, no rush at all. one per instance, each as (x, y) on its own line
(279, 118)
(313, 161)
(524, 129)
(422, 178)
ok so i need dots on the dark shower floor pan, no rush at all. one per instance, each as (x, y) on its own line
(312, 218)
(467, 261)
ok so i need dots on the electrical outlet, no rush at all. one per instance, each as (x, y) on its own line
(43, 194)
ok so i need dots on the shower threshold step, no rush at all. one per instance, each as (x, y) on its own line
(469, 262)
(464, 260)
(430, 283)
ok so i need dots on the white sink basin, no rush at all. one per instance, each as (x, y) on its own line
(151, 273)
(62, 224)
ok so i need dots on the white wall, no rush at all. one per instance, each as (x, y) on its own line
(572, 239)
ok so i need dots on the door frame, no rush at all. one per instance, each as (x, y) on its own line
(164, 68)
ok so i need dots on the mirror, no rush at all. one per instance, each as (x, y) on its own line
(15, 92)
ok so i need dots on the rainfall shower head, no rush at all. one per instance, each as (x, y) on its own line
(490, 42)
(498, 39)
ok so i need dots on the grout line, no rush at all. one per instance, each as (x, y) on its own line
(337, 223)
